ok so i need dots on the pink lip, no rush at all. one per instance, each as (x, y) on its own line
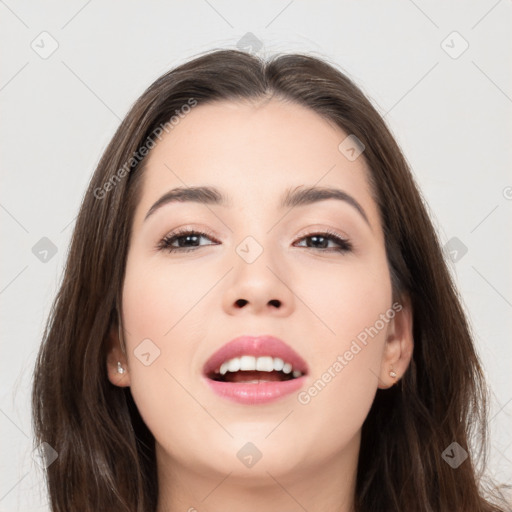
(261, 392)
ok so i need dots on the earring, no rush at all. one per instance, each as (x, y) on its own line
(120, 369)
(392, 374)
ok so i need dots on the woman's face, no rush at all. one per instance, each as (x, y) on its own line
(260, 271)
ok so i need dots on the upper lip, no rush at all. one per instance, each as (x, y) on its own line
(263, 345)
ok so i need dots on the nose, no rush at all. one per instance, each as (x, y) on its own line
(258, 288)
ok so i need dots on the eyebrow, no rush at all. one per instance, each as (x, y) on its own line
(290, 199)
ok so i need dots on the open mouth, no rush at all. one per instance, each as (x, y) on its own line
(250, 369)
(253, 370)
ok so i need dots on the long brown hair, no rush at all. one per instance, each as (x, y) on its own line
(106, 455)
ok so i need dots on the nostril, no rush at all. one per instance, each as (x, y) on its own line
(241, 302)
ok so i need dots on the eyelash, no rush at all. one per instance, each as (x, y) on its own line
(165, 243)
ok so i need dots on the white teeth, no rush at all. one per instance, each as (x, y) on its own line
(247, 363)
(265, 364)
(262, 364)
(278, 364)
(224, 368)
(234, 365)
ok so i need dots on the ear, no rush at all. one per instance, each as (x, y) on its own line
(115, 355)
(399, 345)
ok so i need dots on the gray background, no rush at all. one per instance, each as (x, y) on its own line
(449, 107)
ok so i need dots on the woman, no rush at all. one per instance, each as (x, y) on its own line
(311, 355)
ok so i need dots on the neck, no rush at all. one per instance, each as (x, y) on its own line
(328, 486)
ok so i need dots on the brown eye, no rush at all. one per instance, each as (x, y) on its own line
(320, 241)
(188, 240)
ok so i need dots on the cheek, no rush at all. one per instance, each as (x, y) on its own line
(355, 309)
(160, 341)
(157, 296)
(344, 298)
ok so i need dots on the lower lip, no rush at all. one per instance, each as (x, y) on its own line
(256, 392)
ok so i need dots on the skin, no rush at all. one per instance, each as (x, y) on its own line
(324, 300)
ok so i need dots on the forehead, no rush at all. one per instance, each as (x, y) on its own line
(253, 152)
